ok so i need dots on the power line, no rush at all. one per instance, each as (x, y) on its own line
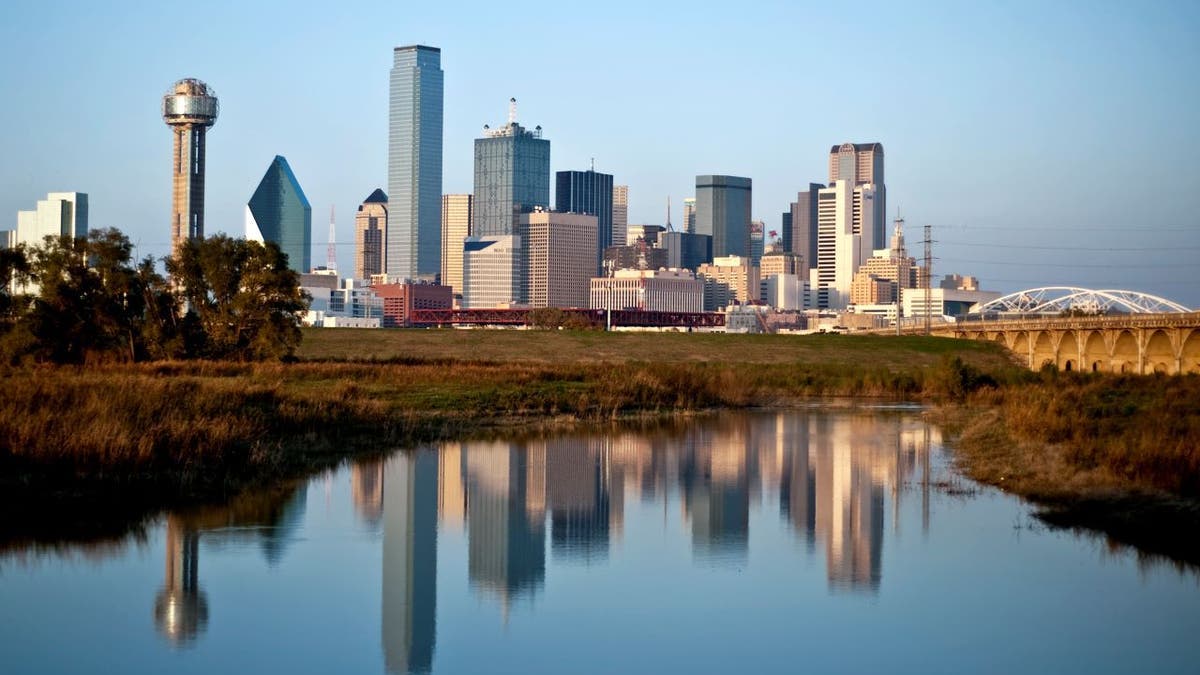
(1073, 265)
(1114, 249)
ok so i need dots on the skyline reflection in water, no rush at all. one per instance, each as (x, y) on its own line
(706, 545)
(832, 478)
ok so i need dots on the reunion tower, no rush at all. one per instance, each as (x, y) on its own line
(189, 108)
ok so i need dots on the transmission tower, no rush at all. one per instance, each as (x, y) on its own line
(928, 276)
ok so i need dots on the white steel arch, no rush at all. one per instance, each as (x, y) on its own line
(1057, 299)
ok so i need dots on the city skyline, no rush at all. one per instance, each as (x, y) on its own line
(968, 137)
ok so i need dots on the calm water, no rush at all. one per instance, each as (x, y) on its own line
(818, 541)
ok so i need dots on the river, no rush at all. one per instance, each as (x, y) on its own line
(820, 540)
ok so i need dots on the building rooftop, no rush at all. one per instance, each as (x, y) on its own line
(376, 197)
(877, 147)
(406, 48)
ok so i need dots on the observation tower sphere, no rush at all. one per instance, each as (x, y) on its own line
(190, 107)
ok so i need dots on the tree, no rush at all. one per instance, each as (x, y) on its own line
(88, 302)
(242, 295)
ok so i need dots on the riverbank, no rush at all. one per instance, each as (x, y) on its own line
(1116, 454)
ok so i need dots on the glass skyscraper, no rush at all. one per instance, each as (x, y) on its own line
(512, 176)
(413, 246)
(279, 212)
(723, 212)
(590, 193)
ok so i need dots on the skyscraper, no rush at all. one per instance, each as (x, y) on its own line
(512, 176)
(589, 193)
(844, 240)
(278, 211)
(415, 163)
(620, 216)
(862, 164)
(189, 108)
(689, 215)
(804, 228)
(723, 211)
(370, 232)
(456, 227)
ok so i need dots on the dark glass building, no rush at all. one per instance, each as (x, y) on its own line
(723, 212)
(803, 239)
(512, 176)
(589, 193)
(279, 212)
(686, 250)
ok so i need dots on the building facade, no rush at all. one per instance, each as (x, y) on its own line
(689, 215)
(399, 300)
(60, 214)
(672, 290)
(279, 212)
(512, 176)
(862, 164)
(639, 256)
(561, 255)
(590, 193)
(620, 211)
(844, 241)
(413, 245)
(723, 212)
(456, 227)
(803, 238)
(492, 272)
(729, 280)
(686, 250)
(370, 233)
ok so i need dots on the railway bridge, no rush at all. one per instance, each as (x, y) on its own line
(1079, 329)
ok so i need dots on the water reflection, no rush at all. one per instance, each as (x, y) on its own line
(269, 517)
(833, 477)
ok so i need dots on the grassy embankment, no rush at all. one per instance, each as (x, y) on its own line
(160, 430)
(1119, 454)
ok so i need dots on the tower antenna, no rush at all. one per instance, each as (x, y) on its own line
(669, 228)
(512, 111)
(331, 249)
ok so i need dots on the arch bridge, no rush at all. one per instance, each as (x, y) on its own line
(1081, 329)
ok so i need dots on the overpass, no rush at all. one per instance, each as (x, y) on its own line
(1080, 329)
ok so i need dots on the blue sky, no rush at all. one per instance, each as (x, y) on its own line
(1069, 127)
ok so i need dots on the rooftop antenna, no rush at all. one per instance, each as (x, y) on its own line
(669, 228)
(593, 164)
(331, 249)
(512, 111)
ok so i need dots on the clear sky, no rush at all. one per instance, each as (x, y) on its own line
(1045, 142)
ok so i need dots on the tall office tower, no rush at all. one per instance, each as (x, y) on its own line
(415, 163)
(620, 210)
(689, 215)
(589, 193)
(804, 228)
(370, 231)
(409, 613)
(862, 164)
(758, 241)
(844, 240)
(60, 214)
(512, 176)
(785, 230)
(561, 257)
(723, 211)
(278, 211)
(456, 227)
(189, 108)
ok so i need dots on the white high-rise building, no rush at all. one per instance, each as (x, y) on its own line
(59, 214)
(492, 272)
(620, 216)
(845, 240)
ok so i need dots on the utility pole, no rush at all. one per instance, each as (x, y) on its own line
(928, 275)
